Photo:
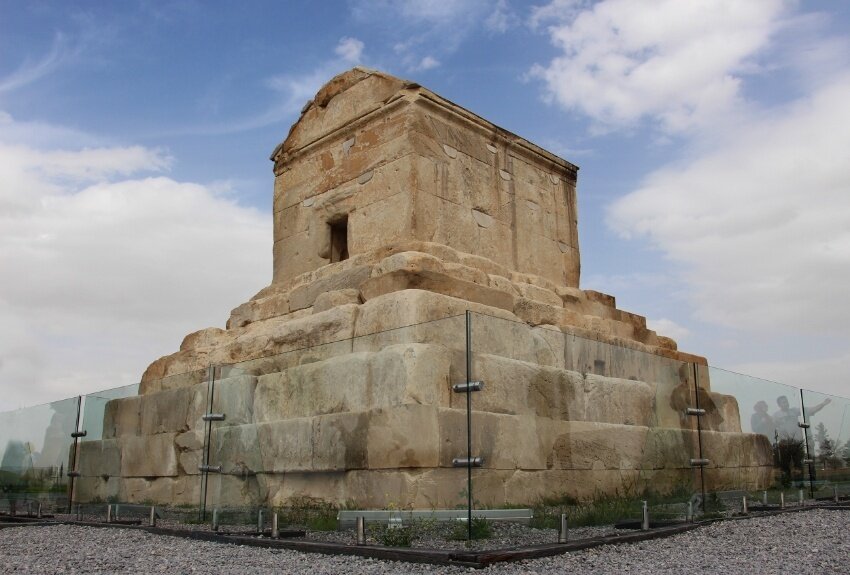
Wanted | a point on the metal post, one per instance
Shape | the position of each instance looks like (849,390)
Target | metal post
(205,454)
(79,512)
(562,532)
(469,425)
(835,493)
(644,524)
(800,498)
(809,457)
(275,528)
(73,466)
(109,513)
(744,508)
(115,518)
(764,497)
(215,519)
(152,521)
(361,531)
(782,500)
(39,509)
(699,437)
(261,522)
(690,516)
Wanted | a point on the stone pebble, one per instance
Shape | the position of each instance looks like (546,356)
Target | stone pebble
(816,542)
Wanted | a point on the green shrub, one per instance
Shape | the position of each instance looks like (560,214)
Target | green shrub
(396,536)
(481,529)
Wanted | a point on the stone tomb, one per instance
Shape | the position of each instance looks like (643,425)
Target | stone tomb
(395,212)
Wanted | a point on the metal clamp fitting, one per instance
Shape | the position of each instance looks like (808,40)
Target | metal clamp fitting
(467,387)
(213,417)
(695,411)
(77,434)
(700,462)
(210,468)
(466,462)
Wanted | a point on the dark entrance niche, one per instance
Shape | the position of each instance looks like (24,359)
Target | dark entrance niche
(339,239)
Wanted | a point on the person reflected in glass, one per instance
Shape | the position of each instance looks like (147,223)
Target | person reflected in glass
(787,418)
(760,421)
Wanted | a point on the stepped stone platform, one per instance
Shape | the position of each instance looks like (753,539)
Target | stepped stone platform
(395,212)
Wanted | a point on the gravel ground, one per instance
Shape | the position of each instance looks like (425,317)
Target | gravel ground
(816,542)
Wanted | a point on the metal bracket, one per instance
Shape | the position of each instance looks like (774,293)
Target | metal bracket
(467,387)
(803,425)
(213,417)
(73,474)
(210,468)
(695,411)
(77,434)
(700,462)
(808,461)
(466,462)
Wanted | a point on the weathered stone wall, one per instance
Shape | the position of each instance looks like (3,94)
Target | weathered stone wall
(335,380)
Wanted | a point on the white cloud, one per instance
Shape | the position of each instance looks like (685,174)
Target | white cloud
(501,18)
(427,63)
(678,63)
(106,265)
(669,328)
(29,71)
(760,219)
(427,29)
(350,49)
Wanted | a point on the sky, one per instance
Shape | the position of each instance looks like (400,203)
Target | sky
(136,189)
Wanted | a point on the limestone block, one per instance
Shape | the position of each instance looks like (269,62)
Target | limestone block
(591,445)
(234,397)
(122,417)
(614,400)
(149,456)
(552,345)
(539,294)
(362,91)
(504,441)
(537,313)
(309,182)
(438,127)
(234,491)
(282,361)
(391,444)
(205,338)
(509,338)
(168,411)
(236,449)
(96,489)
(387,220)
(406,373)
(330,299)
(305,296)
(184,490)
(259,309)
(436,282)
(99,458)
(271,337)
(737,450)
(412,306)
(286,445)
(340,441)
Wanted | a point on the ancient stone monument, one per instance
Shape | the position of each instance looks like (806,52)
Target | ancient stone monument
(395,212)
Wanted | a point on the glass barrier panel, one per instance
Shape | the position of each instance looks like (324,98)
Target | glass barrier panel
(35,449)
(756,447)
(566,424)
(140,450)
(828,443)
(352,426)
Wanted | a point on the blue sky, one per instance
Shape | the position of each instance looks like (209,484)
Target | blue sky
(135,185)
